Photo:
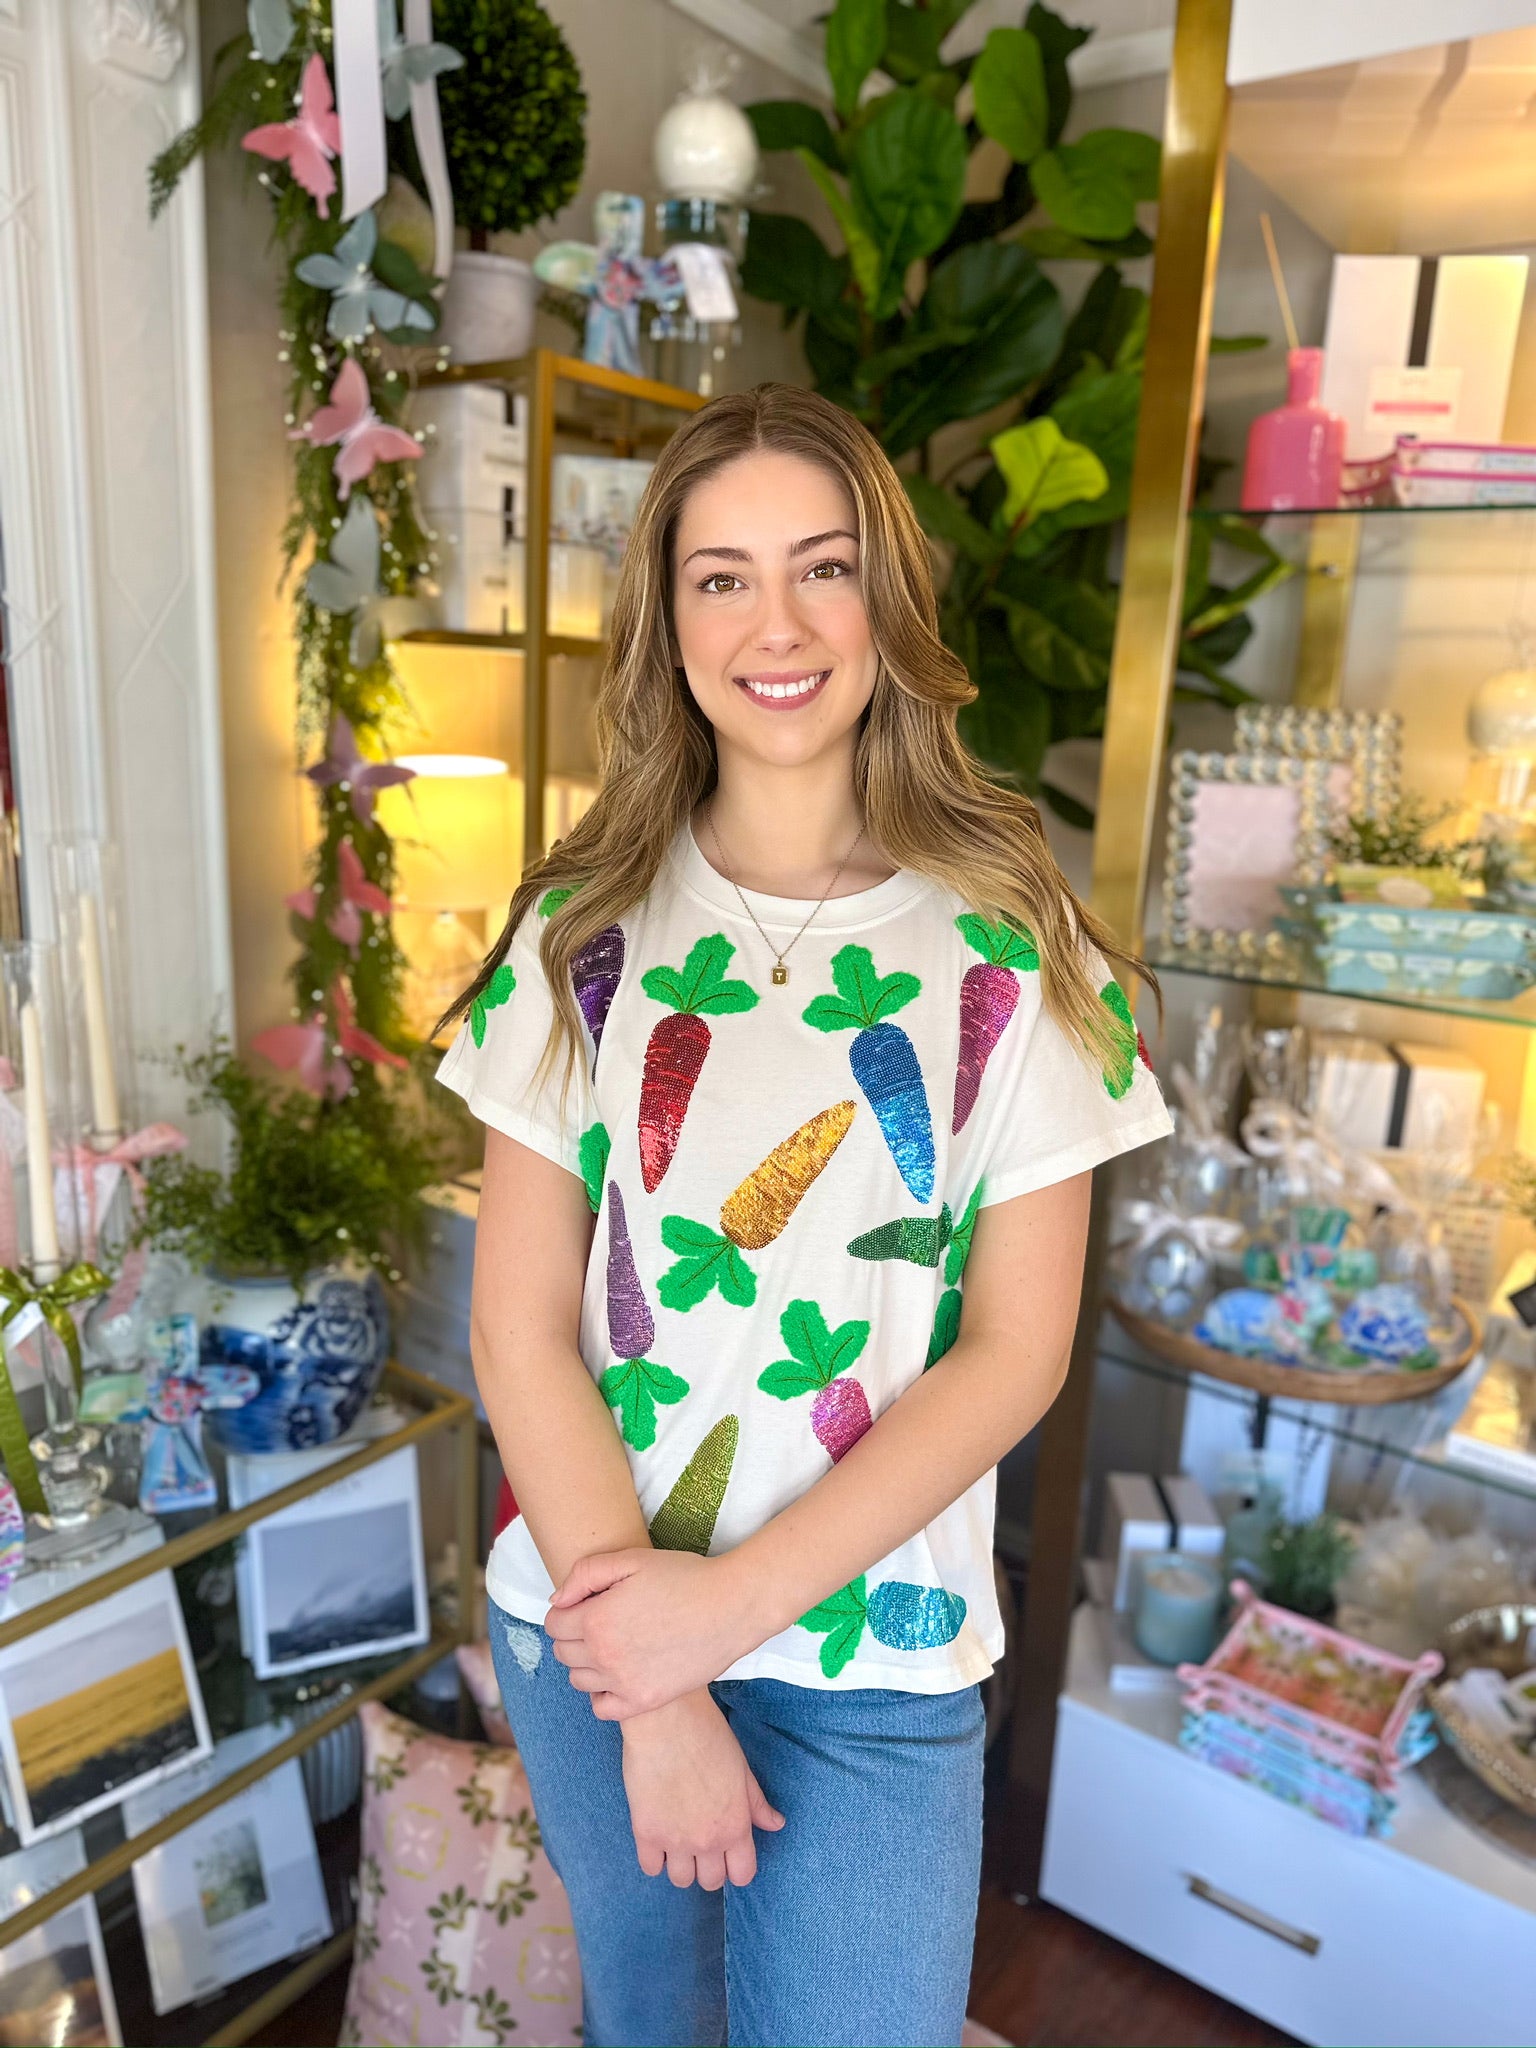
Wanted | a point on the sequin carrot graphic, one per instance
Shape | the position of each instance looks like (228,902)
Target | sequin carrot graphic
(896,1613)
(946,1315)
(497,991)
(686,1518)
(818,1362)
(679,1044)
(596,967)
(751,1216)
(635,1386)
(989,995)
(882,1057)
(1120,1067)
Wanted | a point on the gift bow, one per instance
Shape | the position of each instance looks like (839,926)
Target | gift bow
(154,1141)
(54,1299)
(1201,1116)
(1139,1225)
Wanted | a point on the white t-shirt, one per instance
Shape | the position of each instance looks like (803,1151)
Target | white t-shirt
(785,1180)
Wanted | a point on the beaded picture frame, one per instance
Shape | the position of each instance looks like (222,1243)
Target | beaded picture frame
(1240,826)
(1368,743)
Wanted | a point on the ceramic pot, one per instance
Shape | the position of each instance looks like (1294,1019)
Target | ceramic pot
(318,1355)
(488,307)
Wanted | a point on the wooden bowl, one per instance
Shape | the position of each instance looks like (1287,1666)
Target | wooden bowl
(1297,1382)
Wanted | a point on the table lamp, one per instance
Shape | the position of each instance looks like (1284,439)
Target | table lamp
(458,828)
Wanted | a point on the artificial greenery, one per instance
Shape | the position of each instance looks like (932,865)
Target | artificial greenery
(1401,838)
(310,1180)
(937,311)
(1303,1563)
(513,117)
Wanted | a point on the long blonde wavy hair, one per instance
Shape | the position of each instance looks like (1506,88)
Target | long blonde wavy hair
(927,802)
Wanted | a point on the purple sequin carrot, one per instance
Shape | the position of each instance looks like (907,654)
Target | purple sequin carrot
(989,995)
(595,971)
(631,1326)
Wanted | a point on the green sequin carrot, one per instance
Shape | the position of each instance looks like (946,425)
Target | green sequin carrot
(920,1240)
(686,1518)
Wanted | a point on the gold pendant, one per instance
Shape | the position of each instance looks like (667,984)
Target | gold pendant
(780,975)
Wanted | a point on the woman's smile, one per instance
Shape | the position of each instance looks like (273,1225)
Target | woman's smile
(783,689)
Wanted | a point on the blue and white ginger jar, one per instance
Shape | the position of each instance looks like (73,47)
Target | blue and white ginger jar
(318,1355)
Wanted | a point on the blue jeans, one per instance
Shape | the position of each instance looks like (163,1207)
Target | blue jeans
(858,1928)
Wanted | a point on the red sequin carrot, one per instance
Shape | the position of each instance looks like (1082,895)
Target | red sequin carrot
(678,1045)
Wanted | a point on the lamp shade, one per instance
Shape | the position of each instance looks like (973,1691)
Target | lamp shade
(457,827)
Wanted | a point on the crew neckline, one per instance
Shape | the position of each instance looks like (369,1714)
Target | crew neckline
(841,912)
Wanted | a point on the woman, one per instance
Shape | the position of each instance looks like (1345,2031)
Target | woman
(797,1023)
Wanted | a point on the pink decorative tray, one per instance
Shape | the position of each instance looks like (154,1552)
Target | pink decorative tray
(1345,1698)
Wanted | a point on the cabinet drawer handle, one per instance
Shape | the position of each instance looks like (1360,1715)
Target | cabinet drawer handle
(1309,1944)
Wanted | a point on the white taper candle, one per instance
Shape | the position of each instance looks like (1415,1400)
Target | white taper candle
(106,1115)
(45,1229)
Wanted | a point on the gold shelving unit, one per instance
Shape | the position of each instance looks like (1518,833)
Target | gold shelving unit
(601,410)
(437,1409)
(1454,187)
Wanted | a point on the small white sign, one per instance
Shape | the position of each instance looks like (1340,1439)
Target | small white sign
(706,280)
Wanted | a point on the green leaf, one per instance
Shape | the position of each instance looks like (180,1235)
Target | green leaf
(793,124)
(946,519)
(826,1013)
(1062,631)
(863,251)
(946,1326)
(878,369)
(1237,344)
(853,974)
(1008,81)
(788,264)
(397,268)
(1057,40)
(787,1378)
(959,1247)
(552,899)
(491,997)
(665,985)
(1013,316)
(592,1152)
(894,992)
(1091,187)
(1055,245)
(708,1260)
(1237,600)
(1004,945)
(704,989)
(855,45)
(804,1330)
(912,39)
(1101,413)
(907,181)
(848,1603)
(1044,470)
(1067,808)
(840,1646)
(634,1388)
(1120,1068)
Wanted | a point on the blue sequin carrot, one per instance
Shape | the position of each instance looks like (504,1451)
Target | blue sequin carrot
(882,1057)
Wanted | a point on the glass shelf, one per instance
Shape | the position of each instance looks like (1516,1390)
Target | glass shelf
(1398,539)
(1293,974)
(506,643)
(1408,1432)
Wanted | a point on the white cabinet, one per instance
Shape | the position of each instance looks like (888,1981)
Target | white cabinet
(1427,1938)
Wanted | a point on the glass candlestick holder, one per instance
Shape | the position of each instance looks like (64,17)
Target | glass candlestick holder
(72,1471)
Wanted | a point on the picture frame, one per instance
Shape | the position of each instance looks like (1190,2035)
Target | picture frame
(238,1889)
(54,1982)
(1369,744)
(371,1597)
(1240,827)
(98,1705)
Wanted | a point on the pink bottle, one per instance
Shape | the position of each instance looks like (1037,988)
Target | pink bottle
(1295,453)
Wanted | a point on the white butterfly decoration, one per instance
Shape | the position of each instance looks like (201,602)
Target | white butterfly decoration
(349,580)
(271,28)
(358,300)
(407,64)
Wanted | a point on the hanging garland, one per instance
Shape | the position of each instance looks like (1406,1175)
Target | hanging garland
(354,529)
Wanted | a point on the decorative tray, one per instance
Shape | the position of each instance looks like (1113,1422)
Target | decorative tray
(1502,1639)
(1299,1382)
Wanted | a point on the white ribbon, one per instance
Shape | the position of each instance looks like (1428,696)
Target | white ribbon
(359,104)
(1273,1130)
(427,127)
(1139,1224)
(1201,1117)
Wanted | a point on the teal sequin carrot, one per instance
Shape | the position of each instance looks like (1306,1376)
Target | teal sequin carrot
(896,1612)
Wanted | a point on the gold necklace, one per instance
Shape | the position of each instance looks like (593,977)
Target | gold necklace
(780,973)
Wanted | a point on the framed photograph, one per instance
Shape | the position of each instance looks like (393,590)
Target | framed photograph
(237,1890)
(54,1985)
(96,1706)
(1240,827)
(340,1575)
(1364,750)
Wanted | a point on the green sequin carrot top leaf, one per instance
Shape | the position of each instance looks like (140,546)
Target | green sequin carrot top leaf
(635,1386)
(1120,1068)
(678,1045)
(496,991)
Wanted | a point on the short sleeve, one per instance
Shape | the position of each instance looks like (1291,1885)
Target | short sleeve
(1054,1111)
(494,1060)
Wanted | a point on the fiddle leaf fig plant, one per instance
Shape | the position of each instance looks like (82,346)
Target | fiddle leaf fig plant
(936,311)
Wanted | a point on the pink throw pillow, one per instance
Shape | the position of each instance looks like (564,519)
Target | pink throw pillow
(464,1933)
(479,1674)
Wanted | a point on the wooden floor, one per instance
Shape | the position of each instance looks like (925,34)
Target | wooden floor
(1042,1980)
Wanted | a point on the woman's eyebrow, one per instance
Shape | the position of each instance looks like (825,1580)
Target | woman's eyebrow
(799,547)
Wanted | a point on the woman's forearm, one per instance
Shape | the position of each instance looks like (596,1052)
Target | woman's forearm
(562,1455)
(938,1438)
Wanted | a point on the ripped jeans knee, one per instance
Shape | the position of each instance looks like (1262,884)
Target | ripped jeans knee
(526,1644)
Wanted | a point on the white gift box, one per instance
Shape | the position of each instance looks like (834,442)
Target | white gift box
(1415,1098)
(475,450)
(479,572)
(1143,1515)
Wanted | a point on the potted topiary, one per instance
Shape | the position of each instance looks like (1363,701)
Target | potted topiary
(293,1243)
(513,119)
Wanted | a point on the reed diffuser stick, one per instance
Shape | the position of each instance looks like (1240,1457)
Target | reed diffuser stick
(1279,276)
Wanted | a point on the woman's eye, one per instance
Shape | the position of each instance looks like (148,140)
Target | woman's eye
(719,576)
(830,563)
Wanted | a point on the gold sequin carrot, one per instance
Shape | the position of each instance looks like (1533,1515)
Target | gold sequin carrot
(751,1216)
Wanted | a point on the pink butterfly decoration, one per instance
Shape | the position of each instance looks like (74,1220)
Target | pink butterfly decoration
(306,1048)
(308,142)
(343,763)
(357,895)
(351,421)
